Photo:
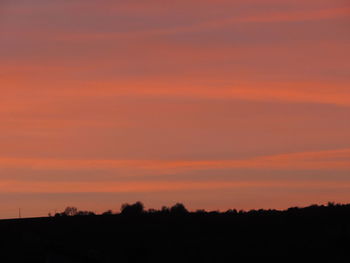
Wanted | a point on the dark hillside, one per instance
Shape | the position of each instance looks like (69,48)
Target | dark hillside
(312,234)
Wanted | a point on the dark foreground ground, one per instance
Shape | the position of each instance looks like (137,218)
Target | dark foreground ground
(313,234)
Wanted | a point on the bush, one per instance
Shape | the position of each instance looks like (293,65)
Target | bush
(133,209)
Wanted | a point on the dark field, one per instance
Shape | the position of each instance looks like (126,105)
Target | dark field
(312,234)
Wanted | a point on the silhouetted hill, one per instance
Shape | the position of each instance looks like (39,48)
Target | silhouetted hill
(311,234)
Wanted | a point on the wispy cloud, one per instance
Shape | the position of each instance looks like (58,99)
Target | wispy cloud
(216,24)
(333,160)
(146,187)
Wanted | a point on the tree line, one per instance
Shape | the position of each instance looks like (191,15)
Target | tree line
(138,208)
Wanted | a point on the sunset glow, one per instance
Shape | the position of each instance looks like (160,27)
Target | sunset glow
(217,104)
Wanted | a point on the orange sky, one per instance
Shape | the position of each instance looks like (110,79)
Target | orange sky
(218,104)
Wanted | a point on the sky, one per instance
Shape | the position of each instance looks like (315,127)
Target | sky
(216,104)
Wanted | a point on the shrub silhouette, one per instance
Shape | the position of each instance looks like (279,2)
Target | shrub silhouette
(108,212)
(133,209)
(73,211)
(178,209)
(85,213)
(165,210)
(70,211)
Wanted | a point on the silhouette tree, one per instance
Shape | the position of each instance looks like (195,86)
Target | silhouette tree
(85,213)
(178,209)
(133,209)
(231,211)
(70,211)
(165,210)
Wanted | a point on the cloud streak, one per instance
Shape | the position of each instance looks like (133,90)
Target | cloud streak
(331,160)
(151,187)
